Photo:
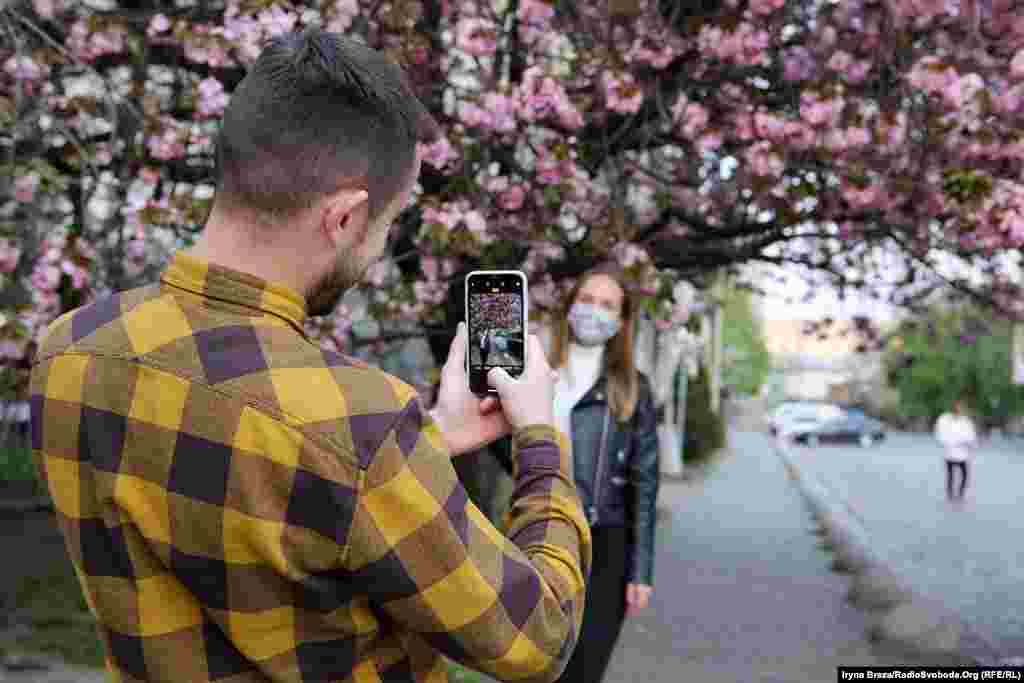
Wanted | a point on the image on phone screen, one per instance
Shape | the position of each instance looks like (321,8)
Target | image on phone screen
(496,320)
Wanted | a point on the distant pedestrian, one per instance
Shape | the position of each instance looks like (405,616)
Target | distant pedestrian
(485,346)
(956,432)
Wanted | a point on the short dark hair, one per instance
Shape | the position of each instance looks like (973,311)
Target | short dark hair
(318,112)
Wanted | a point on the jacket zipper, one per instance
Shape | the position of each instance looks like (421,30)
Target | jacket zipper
(600,468)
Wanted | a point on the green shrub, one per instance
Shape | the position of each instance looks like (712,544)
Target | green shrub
(16,463)
(460,674)
(60,622)
(705,431)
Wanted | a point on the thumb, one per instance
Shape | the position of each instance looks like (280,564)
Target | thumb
(498,378)
(457,351)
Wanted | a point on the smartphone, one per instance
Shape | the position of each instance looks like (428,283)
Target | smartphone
(496,313)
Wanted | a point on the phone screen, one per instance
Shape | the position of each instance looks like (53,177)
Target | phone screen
(496,318)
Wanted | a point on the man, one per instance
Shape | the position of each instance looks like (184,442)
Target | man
(241,505)
(956,432)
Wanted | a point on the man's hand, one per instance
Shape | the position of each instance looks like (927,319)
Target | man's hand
(467,422)
(529,399)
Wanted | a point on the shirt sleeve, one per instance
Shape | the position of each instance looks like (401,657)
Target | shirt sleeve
(511,607)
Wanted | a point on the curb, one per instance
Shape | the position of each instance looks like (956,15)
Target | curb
(900,615)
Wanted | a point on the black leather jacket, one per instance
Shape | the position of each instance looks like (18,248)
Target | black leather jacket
(617,471)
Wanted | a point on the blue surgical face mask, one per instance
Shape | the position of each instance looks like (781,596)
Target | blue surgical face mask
(593,325)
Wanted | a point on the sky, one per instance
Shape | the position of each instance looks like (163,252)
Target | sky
(785,302)
(786,297)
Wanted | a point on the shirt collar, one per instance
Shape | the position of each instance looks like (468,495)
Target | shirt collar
(219,282)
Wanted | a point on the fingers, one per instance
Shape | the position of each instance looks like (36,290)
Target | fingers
(536,354)
(489,405)
(457,351)
(498,378)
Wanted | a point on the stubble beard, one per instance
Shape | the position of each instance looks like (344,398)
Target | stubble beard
(327,293)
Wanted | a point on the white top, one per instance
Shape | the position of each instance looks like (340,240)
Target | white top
(584,368)
(957,434)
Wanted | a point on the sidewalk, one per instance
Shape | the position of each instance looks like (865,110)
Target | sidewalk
(742,591)
(966,555)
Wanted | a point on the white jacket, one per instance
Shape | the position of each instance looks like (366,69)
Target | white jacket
(957,434)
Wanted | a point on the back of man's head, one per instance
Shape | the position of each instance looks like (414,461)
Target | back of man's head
(318,112)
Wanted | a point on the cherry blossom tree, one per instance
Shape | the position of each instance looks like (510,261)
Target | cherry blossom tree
(674,137)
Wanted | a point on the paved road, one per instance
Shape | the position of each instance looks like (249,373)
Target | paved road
(967,554)
(742,591)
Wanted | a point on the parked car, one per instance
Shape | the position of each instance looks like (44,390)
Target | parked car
(788,410)
(849,426)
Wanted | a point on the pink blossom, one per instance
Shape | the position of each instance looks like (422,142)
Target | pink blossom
(544,293)
(502,112)
(168,145)
(476,224)
(710,142)
(568,115)
(765,7)
(443,216)
(763,161)
(212,98)
(475,116)
(821,112)
(513,198)
(440,153)
(12,349)
(47,9)
(1014,227)
(931,75)
(769,125)
(79,277)
(89,45)
(45,277)
(430,266)
(277,21)
(10,254)
(798,64)
(85,249)
(25,187)
(158,25)
(858,137)
(692,117)
(622,94)
(377,273)
(650,51)
(858,71)
(136,250)
(840,61)
(345,11)
(535,12)
(476,36)
(1017,65)
(25,68)
(551,171)
(964,89)
(628,254)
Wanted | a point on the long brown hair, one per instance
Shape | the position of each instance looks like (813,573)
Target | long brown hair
(619,367)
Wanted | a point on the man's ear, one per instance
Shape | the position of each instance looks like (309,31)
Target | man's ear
(345,216)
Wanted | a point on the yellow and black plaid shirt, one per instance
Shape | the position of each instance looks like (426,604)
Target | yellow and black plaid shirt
(241,505)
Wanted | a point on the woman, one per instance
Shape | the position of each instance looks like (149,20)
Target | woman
(606,408)
(956,432)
